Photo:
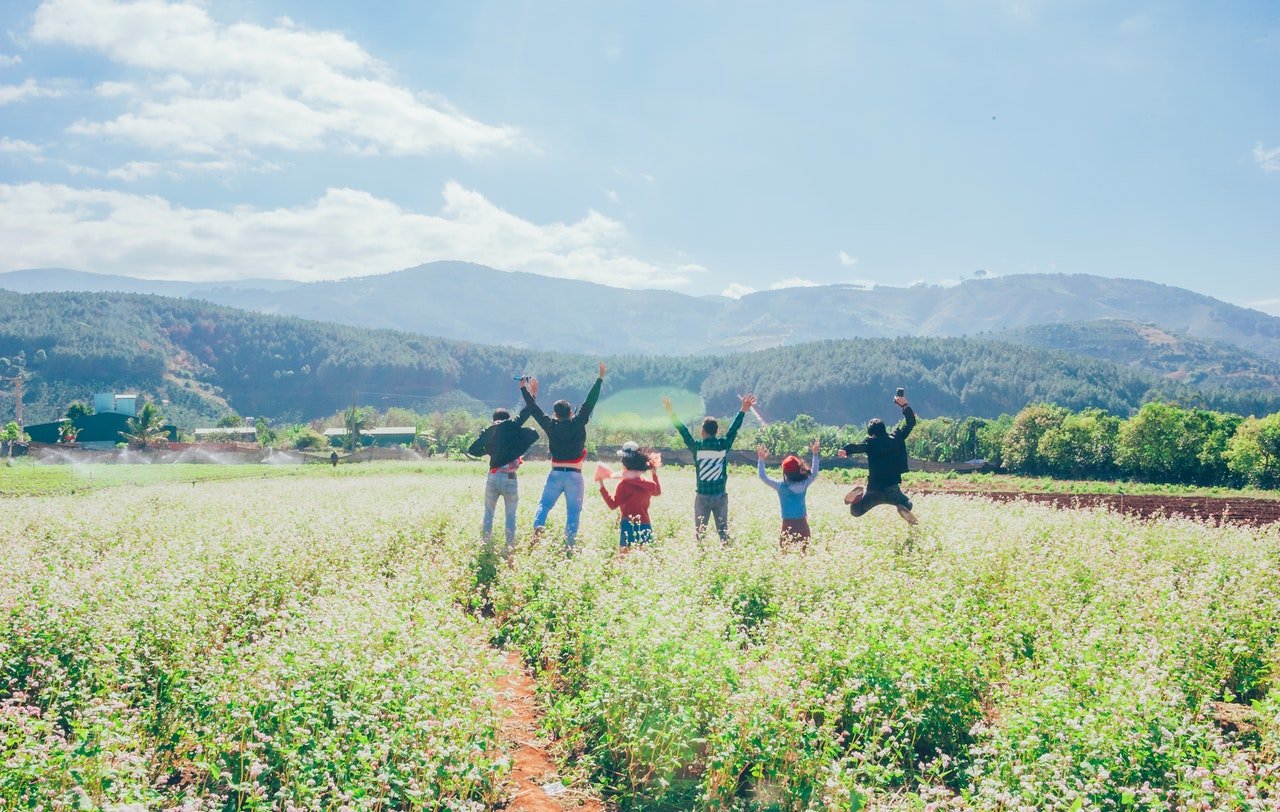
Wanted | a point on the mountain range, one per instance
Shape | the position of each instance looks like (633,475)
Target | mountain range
(476,303)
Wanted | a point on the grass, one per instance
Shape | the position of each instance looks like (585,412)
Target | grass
(317,640)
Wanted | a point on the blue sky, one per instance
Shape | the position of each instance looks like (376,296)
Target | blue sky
(698,146)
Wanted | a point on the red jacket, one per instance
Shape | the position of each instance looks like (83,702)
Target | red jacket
(632,498)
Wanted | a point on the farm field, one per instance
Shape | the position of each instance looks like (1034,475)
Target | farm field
(336,639)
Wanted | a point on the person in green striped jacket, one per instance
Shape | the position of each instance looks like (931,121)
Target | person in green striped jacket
(710,460)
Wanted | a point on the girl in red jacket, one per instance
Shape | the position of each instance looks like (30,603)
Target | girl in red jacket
(633,494)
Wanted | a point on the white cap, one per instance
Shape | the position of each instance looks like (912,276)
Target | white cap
(629,447)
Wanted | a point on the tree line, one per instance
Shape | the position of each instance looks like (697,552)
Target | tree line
(1160,443)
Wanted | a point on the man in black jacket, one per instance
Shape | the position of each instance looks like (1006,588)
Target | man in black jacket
(886,463)
(505,441)
(567,439)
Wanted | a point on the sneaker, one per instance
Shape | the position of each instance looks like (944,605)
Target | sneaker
(854,496)
(908,516)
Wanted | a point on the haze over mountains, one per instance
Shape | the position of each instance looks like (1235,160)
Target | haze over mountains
(471,302)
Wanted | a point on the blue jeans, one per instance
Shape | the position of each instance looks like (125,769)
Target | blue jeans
(570,484)
(506,486)
(633,534)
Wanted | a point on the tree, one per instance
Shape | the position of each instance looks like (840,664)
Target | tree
(79,409)
(1020,451)
(356,421)
(1082,445)
(230,420)
(1253,452)
(1166,443)
(266,435)
(147,429)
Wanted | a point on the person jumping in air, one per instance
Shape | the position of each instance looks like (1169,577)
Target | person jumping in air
(633,494)
(504,441)
(710,458)
(567,437)
(795,482)
(886,463)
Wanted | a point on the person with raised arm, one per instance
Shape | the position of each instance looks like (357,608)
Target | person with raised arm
(711,465)
(634,493)
(886,463)
(505,442)
(795,482)
(567,438)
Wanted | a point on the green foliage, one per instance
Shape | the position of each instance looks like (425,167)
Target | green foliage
(230,420)
(146,429)
(79,409)
(1021,449)
(1081,446)
(13,433)
(1253,452)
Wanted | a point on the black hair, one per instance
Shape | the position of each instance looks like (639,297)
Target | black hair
(561,409)
(501,414)
(875,427)
(636,461)
(710,426)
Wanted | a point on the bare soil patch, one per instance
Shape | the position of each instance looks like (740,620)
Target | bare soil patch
(1219,510)
(532,765)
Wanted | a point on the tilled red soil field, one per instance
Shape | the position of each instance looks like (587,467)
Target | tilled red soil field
(1220,510)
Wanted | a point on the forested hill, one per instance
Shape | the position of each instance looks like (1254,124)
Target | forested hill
(471,302)
(206,360)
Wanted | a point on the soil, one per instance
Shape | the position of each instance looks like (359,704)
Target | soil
(1218,510)
(532,766)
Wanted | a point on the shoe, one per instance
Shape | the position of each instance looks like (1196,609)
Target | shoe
(854,496)
(908,516)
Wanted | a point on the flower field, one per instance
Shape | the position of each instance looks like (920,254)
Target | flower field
(317,641)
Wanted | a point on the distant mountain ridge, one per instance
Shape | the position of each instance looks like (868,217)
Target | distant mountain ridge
(201,360)
(469,302)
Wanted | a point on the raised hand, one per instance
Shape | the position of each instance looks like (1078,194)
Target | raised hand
(666,404)
(602,369)
(533,387)
(901,401)
(817,445)
(748,401)
(842,453)
(762,452)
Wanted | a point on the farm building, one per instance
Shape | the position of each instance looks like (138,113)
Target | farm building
(227,434)
(386,437)
(98,430)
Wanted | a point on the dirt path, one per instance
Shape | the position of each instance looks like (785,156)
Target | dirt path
(532,765)
(1220,510)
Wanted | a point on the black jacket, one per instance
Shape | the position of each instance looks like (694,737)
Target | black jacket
(504,440)
(566,438)
(886,454)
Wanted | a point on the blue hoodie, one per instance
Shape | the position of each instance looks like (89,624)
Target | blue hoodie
(791,494)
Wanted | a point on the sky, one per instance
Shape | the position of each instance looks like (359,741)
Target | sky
(704,147)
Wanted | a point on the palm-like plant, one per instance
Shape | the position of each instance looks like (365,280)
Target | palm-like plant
(147,429)
(357,421)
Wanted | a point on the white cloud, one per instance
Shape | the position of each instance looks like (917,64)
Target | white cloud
(846,260)
(1268,158)
(344,233)
(30,89)
(6,60)
(612,194)
(11,146)
(793,282)
(216,87)
(134,170)
(737,290)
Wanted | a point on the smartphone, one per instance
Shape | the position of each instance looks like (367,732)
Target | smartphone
(900,393)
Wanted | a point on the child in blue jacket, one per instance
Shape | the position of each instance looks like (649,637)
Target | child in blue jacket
(795,482)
